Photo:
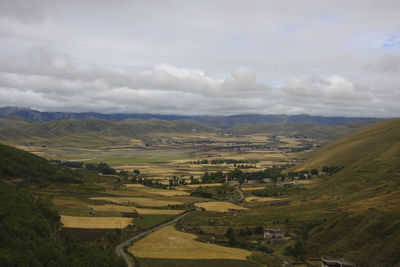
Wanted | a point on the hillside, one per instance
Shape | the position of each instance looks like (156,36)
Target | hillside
(364,195)
(15,163)
(92,131)
(322,133)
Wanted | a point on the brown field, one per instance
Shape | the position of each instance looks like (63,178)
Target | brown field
(118,208)
(147,202)
(219,206)
(179,245)
(95,222)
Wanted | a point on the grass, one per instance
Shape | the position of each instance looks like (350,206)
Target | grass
(110,207)
(219,206)
(95,222)
(195,263)
(179,245)
(150,220)
(258,199)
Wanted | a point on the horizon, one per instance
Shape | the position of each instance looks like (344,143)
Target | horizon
(198,115)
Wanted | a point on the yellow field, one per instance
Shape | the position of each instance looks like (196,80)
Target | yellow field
(164,192)
(179,245)
(135,185)
(250,199)
(110,207)
(147,202)
(219,206)
(252,188)
(95,222)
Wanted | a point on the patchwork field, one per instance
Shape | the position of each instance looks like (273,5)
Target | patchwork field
(219,206)
(95,222)
(110,207)
(146,202)
(179,245)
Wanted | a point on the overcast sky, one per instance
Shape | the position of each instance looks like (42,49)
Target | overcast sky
(202,57)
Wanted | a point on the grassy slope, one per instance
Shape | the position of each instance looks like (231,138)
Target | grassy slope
(320,132)
(92,131)
(366,193)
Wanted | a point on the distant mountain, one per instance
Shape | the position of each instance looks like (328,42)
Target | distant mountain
(216,121)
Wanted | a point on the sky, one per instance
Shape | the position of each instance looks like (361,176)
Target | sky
(209,57)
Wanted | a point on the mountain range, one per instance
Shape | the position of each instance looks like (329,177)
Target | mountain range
(224,122)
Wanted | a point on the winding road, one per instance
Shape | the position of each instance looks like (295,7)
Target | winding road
(120,248)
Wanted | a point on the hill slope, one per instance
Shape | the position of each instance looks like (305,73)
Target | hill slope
(364,195)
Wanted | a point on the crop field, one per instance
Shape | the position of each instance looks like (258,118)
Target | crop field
(179,245)
(146,202)
(95,222)
(110,207)
(219,206)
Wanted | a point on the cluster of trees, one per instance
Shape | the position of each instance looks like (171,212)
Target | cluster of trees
(296,251)
(101,167)
(219,177)
(149,182)
(331,169)
(223,161)
(27,235)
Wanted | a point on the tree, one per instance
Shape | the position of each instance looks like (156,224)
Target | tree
(259,230)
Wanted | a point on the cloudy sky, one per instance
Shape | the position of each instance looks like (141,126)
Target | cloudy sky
(202,57)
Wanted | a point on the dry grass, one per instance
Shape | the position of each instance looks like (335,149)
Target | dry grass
(219,206)
(167,193)
(110,207)
(252,188)
(95,222)
(258,199)
(146,202)
(135,185)
(178,245)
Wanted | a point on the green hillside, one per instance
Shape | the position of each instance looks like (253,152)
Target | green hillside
(15,163)
(364,195)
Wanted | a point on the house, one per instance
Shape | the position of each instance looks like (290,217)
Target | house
(331,262)
(273,233)
(279,185)
(266,180)
(251,181)
(273,236)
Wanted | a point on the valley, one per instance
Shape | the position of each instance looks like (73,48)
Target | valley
(232,185)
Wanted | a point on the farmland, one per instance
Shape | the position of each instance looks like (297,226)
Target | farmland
(178,245)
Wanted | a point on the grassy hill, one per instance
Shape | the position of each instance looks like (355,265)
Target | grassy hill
(364,195)
(92,132)
(15,163)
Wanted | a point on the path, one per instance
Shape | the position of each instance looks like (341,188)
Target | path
(120,248)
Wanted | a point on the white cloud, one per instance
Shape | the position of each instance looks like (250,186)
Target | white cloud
(206,57)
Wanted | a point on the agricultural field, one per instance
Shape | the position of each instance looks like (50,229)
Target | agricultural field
(95,222)
(178,245)
(219,206)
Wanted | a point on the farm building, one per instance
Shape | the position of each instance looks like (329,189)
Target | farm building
(266,180)
(273,233)
(331,262)
(274,236)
